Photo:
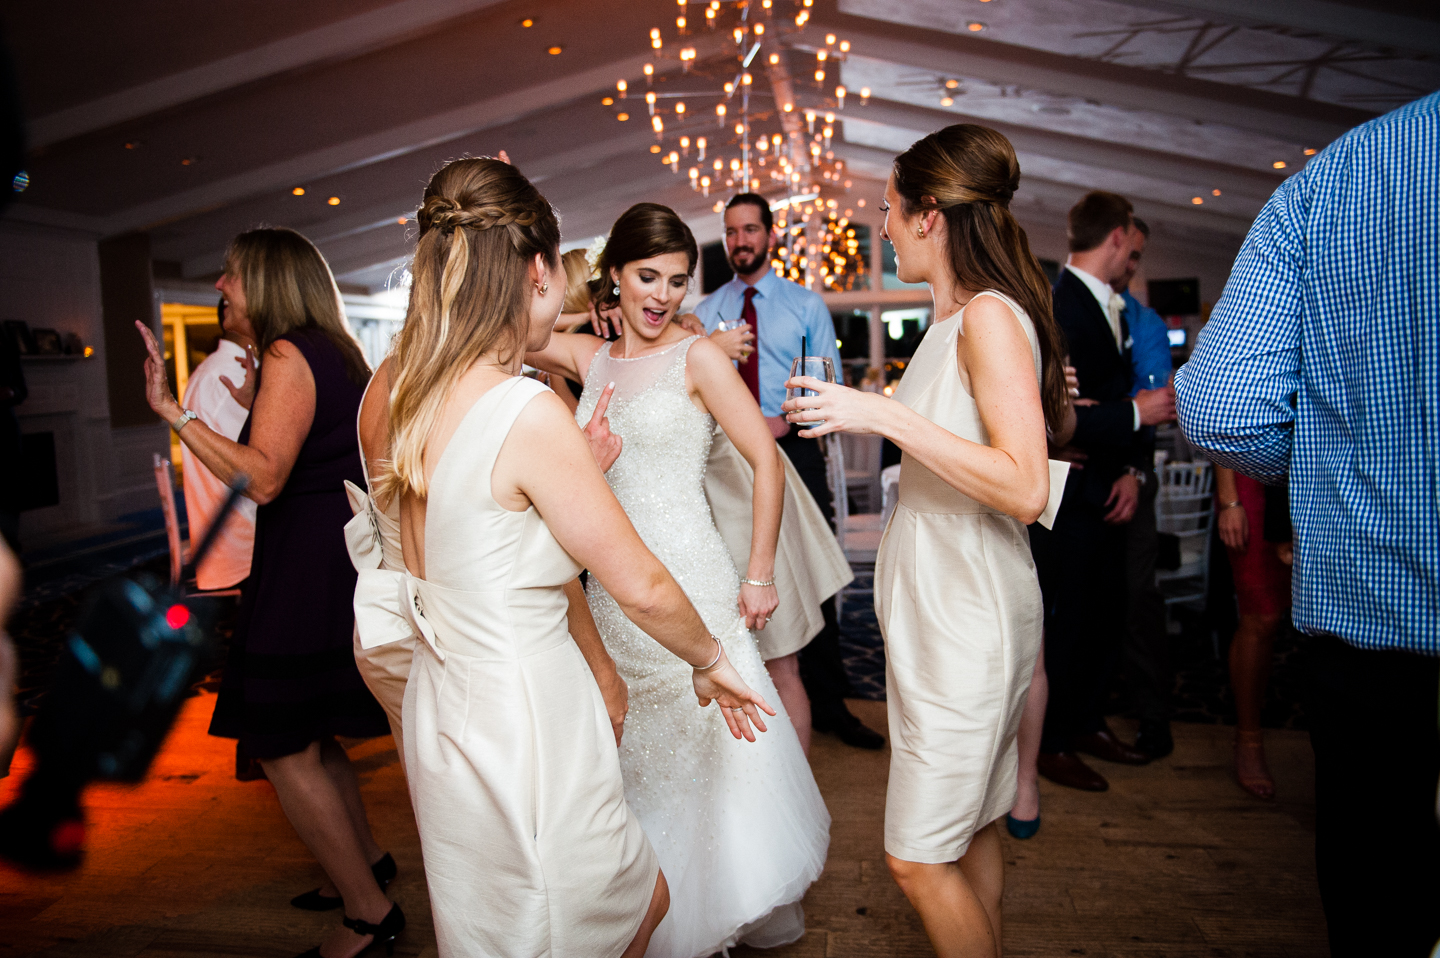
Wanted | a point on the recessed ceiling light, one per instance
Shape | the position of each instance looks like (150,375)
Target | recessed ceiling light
(298,191)
(974,26)
(334,201)
(951,84)
(1278,164)
(946,101)
(1214,192)
(554,51)
(527,23)
(608,101)
(1309,152)
(654,147)
(622,117)
(1197,200)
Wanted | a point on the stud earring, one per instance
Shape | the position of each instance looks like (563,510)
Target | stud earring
(543,289)
(920,231)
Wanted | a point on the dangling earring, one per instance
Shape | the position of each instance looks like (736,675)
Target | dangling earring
(616,290)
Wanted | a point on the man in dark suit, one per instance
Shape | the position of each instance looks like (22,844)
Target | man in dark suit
(1084,554)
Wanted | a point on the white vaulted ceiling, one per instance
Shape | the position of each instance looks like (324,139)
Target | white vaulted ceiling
(193,121)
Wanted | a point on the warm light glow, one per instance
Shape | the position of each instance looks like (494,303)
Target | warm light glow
(829,37)
(774,59)
(864,93)
(1309,152)
(608,101)
(680,108)
(951,84)
(820,55)
(649,69)
(789,107)
(947,101)
(860,203)
(1197,200)
(729,88)
(334,201)
(819,76)
(720,110)
(176,616)
(527,23)
(658,125)
(680,23)
(739,129)
(298,191)
(621,86)
(655,148)
(89,351)
(974,26)
(762,144)
(747,79)
(554,51)
(719,206)
(1279,164)
(844,46)
(1214,192)
(402,220)
(759,29)
(622,117)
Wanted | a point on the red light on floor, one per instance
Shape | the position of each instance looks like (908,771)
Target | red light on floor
(176,616)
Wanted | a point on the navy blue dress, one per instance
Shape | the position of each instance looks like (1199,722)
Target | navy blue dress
(291,678)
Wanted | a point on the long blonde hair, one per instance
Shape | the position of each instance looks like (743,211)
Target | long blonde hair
(969,173)
(289,286)
(480,226)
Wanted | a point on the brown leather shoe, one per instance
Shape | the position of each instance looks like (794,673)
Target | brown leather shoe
(1066,768)
(1104,744)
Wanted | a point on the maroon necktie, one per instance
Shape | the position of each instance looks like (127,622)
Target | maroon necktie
(750,368)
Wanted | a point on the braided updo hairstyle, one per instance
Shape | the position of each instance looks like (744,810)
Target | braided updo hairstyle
(481,224)
(969,173)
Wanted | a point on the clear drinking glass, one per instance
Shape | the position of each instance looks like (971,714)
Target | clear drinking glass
(725,325)
(818,367)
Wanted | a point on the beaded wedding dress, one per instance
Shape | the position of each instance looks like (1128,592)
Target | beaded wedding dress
(740,828)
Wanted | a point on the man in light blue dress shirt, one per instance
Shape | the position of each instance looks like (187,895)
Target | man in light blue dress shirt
(784,313)
(1322,361)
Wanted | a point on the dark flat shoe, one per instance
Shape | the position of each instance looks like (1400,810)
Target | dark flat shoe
(1022,828)
(1104,745)
(1066,768)
(384,871)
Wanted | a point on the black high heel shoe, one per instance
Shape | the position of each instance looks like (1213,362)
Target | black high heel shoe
(384,871)
(385,933)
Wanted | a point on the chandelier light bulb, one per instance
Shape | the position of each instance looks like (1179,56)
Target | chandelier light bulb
(810,120)
(620,87)
(844,46)
(720,113)
(864,95)
(650,101)
(680,24)
(685,145)
(680,108)
(762,144)
(840,96)
(649,71)
(820,55)
(819,76)
(759,29)
(719,165)
(700,145)
(739,34)
(774,59)
(705,185)
(734,166)
(739,129)
(658,124)
(747,79)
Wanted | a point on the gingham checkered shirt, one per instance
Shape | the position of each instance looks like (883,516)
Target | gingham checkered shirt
(1335,301)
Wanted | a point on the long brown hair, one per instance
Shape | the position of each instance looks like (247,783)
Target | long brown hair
(480,226)
(288,286)
(643,231)
(969,173)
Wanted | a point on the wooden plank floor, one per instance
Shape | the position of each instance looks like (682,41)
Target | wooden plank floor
(1173,861)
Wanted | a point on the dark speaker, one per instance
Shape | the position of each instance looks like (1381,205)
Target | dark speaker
(1175,297)
(39,480)
(715,268)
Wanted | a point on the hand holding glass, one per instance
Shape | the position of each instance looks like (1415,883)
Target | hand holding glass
(817,367)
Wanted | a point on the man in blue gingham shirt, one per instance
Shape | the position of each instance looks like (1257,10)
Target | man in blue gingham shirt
(1334,306)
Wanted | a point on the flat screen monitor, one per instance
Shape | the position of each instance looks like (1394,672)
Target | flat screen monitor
(1177,337)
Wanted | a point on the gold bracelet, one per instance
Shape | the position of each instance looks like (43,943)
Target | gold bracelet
(1230,505)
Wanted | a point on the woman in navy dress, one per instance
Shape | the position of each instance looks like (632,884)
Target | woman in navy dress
(291,684)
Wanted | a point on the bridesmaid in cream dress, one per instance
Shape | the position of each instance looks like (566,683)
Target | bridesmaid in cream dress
(955,587)
(529,846)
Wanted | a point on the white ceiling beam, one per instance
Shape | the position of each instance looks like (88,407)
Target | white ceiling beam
(1078,149)
(396,141)
(1034,188)
(364,32)
(1338,20)
(634,138)
(1305,122)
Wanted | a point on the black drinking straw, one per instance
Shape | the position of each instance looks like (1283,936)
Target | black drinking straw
(802,355)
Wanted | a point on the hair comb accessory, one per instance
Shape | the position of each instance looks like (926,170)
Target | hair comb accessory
(593,254)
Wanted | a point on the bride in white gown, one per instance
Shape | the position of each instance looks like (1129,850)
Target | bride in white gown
(738,860)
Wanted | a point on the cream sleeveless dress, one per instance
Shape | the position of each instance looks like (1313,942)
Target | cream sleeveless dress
(529,847)
(740,828)
(372,538)
(959,606)
(810,567)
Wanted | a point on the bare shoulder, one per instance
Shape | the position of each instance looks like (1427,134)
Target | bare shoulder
(705,356)
(546,415)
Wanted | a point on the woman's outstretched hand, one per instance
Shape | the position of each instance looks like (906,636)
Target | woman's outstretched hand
(843,409)
(757,604)
(739,703)
(157,383)
(604,445)
(244,393)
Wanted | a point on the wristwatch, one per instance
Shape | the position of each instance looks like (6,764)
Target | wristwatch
(185,416)
(1139,475)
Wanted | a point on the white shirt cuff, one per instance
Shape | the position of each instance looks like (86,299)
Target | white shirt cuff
(1135,406)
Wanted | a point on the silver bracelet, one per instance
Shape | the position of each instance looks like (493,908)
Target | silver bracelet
(719,651)
(755,582)
(185,417)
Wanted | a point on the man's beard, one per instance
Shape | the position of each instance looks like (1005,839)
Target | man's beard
(752,262)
